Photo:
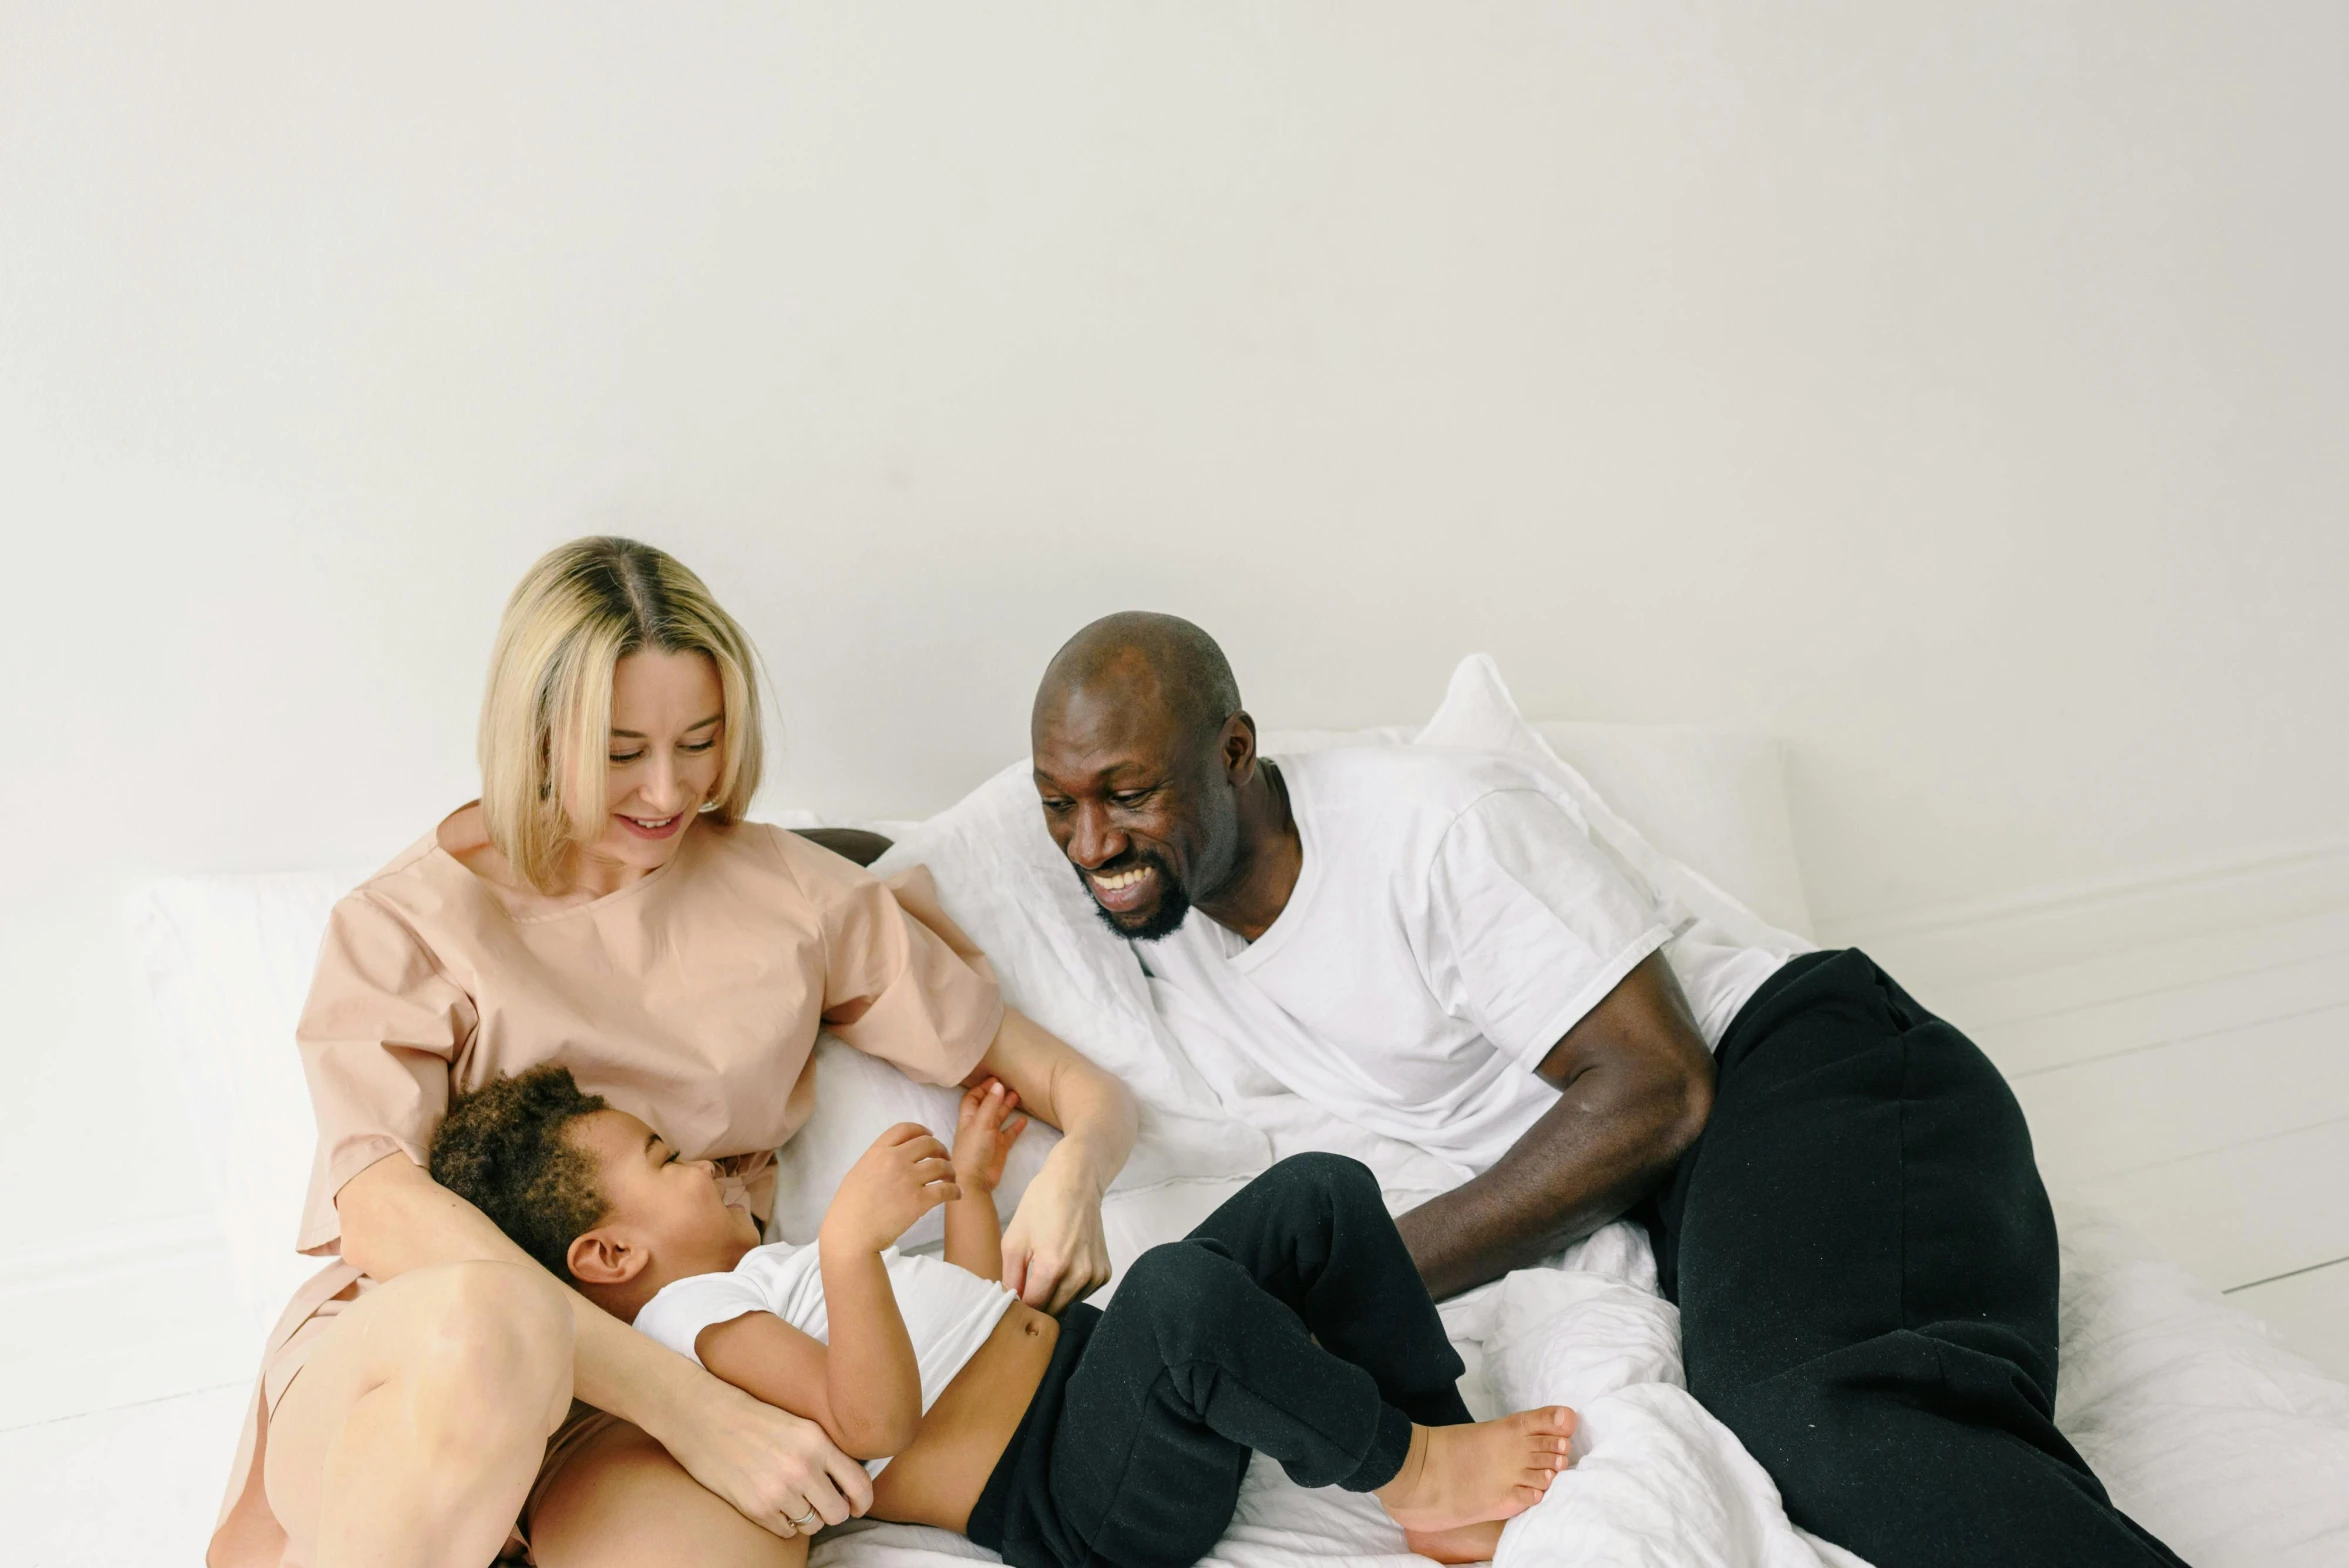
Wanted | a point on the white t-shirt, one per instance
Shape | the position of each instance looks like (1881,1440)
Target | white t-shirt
(948,1311)
(1453,918)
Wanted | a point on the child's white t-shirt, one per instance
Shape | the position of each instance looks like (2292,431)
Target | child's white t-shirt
(948,1311)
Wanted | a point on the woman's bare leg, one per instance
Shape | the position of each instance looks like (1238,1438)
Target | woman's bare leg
(412,1434)
(620,1501)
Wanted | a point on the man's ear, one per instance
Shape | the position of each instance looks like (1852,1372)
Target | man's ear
(1237,747)
(604,1257)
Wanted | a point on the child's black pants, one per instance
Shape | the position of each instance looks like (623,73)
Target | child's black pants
(1131,1454)
(1865,1263)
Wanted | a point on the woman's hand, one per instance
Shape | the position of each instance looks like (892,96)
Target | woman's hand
(1055,1252)
(771,1465)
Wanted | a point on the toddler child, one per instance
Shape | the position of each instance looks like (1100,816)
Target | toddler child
(1291,1323)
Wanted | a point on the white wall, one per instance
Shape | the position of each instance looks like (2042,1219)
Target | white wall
(1956,389)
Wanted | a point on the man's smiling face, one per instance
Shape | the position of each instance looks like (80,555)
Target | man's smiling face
(1145,812)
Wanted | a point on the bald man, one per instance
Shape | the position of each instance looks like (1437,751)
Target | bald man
(1429,943)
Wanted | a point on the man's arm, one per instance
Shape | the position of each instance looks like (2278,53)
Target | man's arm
(1635,1085)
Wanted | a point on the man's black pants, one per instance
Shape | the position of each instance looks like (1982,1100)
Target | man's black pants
(1865,1263)
(1132,1451)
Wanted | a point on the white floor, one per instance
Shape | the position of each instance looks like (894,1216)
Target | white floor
(136,1485)
(2200,1089)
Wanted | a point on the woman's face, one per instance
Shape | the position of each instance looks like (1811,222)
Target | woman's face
(668,730)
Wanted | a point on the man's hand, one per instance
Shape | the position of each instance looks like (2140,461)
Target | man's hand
(903,1176)
(1055,1252)
(1635,1084)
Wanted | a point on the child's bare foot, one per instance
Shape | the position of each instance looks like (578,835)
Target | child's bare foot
(1461,1475)
(1470,1543)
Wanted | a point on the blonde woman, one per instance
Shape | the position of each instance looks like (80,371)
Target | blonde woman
(436,1398)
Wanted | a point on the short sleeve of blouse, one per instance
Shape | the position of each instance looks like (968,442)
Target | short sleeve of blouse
(377,1035)
(1535,920)
(893,987)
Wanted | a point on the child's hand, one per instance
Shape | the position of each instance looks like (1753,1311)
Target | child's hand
(982,1135)
(903,1176)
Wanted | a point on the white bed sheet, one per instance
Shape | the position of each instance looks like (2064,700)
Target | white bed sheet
(2207,1432)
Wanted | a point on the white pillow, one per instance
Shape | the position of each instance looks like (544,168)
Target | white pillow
(1479,713)
(1700,812)
(1712,798)
(857,1098)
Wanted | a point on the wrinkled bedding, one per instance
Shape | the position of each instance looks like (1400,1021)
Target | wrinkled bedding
(1656,1480)
(2206,1431)
(2232,1449)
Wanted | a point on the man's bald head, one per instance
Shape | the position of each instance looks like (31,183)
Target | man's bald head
(1141,753)
(1140,660)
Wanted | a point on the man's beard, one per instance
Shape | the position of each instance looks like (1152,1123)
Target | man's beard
(1174,904)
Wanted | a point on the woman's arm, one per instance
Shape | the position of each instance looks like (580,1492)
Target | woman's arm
(1055,1252)
(762,1460)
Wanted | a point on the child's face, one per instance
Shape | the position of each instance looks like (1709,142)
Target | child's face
(671,1207)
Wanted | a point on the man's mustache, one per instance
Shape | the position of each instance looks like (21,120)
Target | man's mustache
(1174,900)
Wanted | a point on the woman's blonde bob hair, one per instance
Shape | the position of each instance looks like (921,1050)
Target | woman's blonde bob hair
(547,717)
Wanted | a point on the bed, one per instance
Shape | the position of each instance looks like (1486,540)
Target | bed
(2229,1447)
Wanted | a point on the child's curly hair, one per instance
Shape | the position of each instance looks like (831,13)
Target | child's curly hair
(502,1149)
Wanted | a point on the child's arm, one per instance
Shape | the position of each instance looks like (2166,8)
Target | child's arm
(982,1138)
(864,1388)
(770,1360)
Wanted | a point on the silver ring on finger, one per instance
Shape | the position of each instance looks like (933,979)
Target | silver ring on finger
(806,1519)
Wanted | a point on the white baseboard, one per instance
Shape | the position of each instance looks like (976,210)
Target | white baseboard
(1965,944)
